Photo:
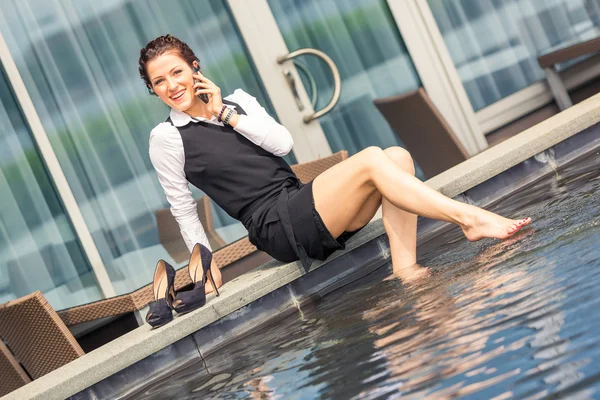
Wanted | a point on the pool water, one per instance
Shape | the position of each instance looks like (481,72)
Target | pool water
(495,319)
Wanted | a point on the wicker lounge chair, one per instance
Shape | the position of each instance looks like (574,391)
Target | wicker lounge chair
(226,257)
(308,171)
(423,130)
(13,376)
(38,338)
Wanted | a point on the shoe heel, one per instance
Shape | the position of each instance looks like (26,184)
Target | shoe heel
(212,282)
(189,300)
(207,258)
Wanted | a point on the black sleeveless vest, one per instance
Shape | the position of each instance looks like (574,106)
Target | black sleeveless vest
(234,172)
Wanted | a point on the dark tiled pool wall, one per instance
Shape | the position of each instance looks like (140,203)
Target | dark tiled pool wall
(583,144)
(134,379)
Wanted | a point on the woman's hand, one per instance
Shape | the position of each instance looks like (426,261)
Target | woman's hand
(205,85)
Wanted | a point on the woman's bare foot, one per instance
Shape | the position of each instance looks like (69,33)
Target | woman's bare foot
(411,273)
(485,224)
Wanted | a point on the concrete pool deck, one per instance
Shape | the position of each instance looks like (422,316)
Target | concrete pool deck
(122,367)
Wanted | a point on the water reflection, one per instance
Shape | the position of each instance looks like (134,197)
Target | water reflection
(446,323)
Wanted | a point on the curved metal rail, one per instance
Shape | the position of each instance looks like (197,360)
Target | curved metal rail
(337,81)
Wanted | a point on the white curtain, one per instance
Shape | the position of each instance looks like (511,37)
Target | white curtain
(494,44)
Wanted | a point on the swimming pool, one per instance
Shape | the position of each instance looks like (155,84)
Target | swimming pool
(495,319)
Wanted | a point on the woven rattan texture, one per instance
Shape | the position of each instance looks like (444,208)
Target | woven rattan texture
(99,309)
(306,172)
(233,252)
(37,335)
(13,376)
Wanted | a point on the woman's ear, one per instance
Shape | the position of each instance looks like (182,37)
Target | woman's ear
(195,64)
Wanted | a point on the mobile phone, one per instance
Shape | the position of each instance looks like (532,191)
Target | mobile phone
(201,96)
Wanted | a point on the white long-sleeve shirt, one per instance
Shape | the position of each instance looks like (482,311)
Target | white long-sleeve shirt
(168,158)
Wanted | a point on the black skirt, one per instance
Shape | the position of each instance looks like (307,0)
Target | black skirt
(289,228)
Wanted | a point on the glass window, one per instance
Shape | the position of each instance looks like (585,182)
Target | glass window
(79,62)
(494,44)
(38,247)
(362,39)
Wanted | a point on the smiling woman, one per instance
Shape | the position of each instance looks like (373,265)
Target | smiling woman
(175,83)
(231,149)
(166,65)
(170,77)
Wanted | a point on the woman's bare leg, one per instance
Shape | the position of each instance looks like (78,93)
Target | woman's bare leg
(401,226)
(356,179)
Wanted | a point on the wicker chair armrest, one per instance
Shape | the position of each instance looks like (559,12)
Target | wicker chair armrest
(99,309)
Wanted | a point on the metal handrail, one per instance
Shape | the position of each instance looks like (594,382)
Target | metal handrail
(311,79)
(337,81)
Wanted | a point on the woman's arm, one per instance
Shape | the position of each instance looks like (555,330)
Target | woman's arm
(259,127)
(168,159)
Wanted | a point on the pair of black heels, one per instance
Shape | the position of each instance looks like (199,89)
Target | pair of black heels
(182,302)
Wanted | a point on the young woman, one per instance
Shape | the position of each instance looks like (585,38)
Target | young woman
(231,149)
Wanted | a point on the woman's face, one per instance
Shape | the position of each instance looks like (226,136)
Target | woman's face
(172,80)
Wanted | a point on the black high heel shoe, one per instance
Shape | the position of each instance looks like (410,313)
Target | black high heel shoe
(164,293)
(194,298)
